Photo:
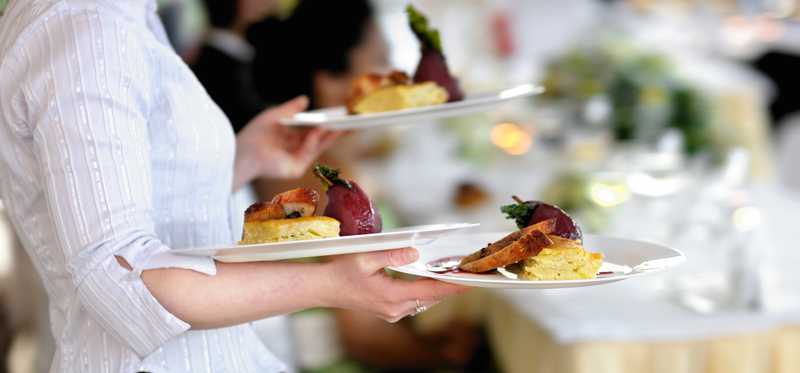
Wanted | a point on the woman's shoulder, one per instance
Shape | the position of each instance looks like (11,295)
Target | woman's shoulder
(66,39)
(23,20)
(34,33)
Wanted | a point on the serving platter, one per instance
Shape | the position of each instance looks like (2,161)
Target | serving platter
(415,236)
(623,259)
(337,118)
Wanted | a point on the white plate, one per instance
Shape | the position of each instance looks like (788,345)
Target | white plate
(625,258)
(403,237)
(338,119)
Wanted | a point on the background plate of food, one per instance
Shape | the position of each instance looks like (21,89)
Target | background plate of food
(399,98)
(338,118)
(621,259)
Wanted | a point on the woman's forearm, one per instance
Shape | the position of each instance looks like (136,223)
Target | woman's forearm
(244,292)
(239,292)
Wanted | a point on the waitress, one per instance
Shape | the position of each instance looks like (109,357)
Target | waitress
(112,154)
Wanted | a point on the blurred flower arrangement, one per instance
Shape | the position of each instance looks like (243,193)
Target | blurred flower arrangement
(635,93)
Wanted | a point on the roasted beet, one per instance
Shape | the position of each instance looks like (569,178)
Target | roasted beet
(432,65)
(433,68)
(527,213)
(348,204)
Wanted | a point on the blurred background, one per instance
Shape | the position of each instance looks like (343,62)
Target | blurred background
(671,121)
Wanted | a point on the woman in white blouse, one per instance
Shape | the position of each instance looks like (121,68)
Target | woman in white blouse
(111,154)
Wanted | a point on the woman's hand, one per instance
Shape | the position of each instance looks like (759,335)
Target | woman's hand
(265,148)
(358,282)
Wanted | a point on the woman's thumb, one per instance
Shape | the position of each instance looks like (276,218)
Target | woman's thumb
(378,260)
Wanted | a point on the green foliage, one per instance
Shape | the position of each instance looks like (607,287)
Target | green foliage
(645,94)
(690,116)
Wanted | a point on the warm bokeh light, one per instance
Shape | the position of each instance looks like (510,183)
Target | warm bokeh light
(511,138)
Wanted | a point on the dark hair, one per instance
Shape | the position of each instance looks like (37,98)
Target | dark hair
(221,13)
(318,36)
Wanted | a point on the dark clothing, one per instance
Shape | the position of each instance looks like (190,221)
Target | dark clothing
(781,69)
(229,82)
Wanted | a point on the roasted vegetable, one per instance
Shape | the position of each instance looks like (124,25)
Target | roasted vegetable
(348,204)
(526,213)
(432,65)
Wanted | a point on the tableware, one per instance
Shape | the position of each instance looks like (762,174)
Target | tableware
(337,118)
(623,259)
(415,236)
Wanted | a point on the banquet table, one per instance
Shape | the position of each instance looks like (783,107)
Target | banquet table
(523,345)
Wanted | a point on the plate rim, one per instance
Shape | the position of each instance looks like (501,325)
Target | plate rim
(413,229)
(477,99)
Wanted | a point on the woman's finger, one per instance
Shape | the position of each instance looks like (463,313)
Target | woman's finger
(409,308)
(284,110)
(378,260)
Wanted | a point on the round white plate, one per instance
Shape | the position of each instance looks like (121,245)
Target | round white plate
(403,237)
(624,258)
(337,118)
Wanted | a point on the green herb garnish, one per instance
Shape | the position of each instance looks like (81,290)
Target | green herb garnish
(428,36)
(330,176)
(521,212)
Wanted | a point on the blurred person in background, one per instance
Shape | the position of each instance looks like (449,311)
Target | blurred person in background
(224,63)
(322,46)
(317,52)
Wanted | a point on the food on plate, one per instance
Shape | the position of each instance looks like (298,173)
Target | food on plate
(504,243)
(348,204)
(374,93)
(432,65)
(563,260)
(529,244)
(526,213)
(432,84)
(470,195)
(289,216)
(298,202)
(548,246)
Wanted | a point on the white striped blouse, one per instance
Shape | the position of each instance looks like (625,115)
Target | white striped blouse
(109,146)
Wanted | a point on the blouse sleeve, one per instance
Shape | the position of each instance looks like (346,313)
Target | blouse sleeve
(88,96)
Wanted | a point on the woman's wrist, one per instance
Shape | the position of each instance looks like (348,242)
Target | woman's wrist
(329,292)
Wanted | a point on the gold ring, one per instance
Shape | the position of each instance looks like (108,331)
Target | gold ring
(420,308)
